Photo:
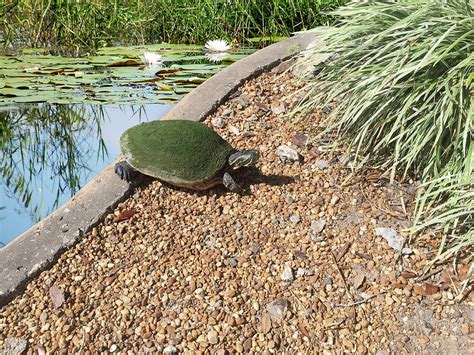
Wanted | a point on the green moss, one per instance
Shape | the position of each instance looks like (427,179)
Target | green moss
(176,151)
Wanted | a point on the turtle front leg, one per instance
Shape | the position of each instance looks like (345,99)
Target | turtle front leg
(125,171)
(230,183)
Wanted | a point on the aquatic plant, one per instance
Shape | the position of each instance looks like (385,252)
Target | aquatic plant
(76,27)
(151,59)
(217,45)
(217,57)
(401,73)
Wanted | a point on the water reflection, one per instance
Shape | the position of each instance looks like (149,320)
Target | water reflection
(48,152)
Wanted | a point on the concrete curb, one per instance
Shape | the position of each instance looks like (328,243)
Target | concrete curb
(38,248)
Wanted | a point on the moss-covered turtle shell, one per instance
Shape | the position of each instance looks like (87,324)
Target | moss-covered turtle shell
(177,151)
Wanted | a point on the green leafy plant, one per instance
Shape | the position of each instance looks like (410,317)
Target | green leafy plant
(75,27)
(401,74)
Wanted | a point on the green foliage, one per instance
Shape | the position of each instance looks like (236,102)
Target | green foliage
(114,75)
(74,26)
(402,75)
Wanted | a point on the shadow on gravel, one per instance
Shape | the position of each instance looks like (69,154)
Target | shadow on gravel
(245,177)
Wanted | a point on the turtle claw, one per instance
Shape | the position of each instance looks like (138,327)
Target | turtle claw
(124,171)
(230,183)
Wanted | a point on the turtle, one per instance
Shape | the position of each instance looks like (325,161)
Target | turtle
(182,153)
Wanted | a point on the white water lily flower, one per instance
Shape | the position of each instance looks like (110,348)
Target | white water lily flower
(218,45)
(216,57)
(151,59)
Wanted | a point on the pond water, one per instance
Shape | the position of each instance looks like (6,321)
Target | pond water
(61,118)
(46,162)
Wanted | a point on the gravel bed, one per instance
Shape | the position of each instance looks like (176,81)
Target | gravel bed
(309,258)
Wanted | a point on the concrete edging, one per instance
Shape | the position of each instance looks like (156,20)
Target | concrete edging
(39,247)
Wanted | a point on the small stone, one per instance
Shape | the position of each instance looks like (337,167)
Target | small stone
(426,327)
(212,337)
(321,164)
(113,348)
(202,338)
(227,112)
(277,110)
(289,199)
(318,226)
(234,130)
(294,218)
(335,199)
(303,272)
(170,349)
(277,309)
(465,329)
(327,280)
(394,240)
(358,280)
(218,122)
(239,348)
(326,109)
(248,344)
(254,117)
(423,340)
(299,139)
(230,321)
(287,153)
(242,100)
(232,262)
(287,274)
(407,251)
(64,228)
(266,323)
(14,346)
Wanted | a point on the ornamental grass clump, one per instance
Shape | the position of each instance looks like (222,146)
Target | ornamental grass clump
(401,74)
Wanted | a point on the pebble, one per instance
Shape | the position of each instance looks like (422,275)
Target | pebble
(227,113)
(277,110)
(393,239)
(299,139)
(218,122)
(287,274)
(14,346)
(277,309)
(321,164)
(287,153)
(212,337)
(170,350)
(303,272)
(318,226)
(113,348)
(295,218)
(327,280)
(234,130)
(233,262)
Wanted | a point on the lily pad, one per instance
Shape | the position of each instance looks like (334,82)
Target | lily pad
(114,75)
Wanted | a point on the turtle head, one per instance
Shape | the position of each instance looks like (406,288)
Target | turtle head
(243,158)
